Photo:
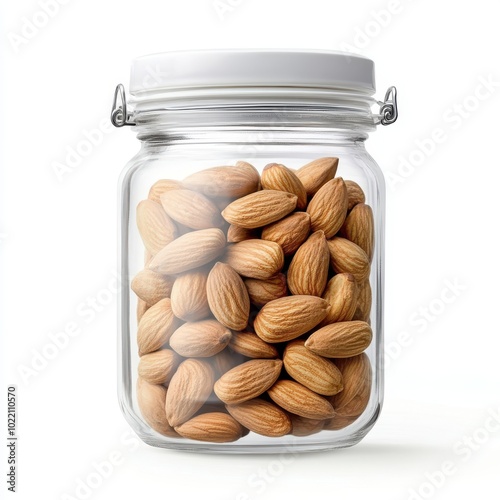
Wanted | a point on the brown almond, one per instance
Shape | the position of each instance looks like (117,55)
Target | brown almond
(338,422)
(228,297)
(257,259)
(156,327)
(328,208)
(236,234)
(278,177)
(317,173)
(311,370)
(302,426)
(252,346)
(200,339)
(300,400)
(308,271)
(342,294)
(340,340)
(155,227)
(189,296)
(162,186)
(263,291)
(364,304)
(189,251)
(359,228)
(289,317)
(248,380)
(189,388)
(158,367)
(354,193)
(151,287)
(289,232)
(347,257)
(261,417)
(215,427)
(260,208)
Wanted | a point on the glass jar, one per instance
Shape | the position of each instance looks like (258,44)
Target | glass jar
(252,251)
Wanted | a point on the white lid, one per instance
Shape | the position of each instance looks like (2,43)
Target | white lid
(252,68)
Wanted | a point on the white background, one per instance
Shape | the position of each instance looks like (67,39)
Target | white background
(58,246)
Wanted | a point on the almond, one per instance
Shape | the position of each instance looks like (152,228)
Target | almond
(236,234)
(289,317)
(257,259)
(340,340)
(317,173)
(261,417)
(342,295)
(312,371)
(302,426)
(142,307)
(278,177)
(225,361)
(158,367)
(300,400)
(155,227)
(156,327)
(354,193)
(228,297)
(359,228)
(200,339)
(263,291)
(336,423)
(308,271)
(252,346)
(151,400)
(364,305)
(191,209)
(260,208)
(189,296)
(347,257)
(215,427)
(226,181)
(248,380)
(328,208)
(162,186)
(151,287)
(289,232)
(189,388)
(189,251)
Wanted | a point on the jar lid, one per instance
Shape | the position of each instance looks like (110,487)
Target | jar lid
(252,68)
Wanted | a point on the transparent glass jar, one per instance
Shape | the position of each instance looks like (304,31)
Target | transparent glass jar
(252,251)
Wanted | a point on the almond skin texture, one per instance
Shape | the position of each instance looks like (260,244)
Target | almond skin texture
(263,291)
(225,182)
(189,296)
(342,295)
(225,361)
(308,271)
(289,317)
(191,209)
(312,371)
(151,287)
(248,380)
(213,427)
(162,186)
(359,228)
(300,400)
(236,234)
(200,339)
(252,346)
(151,400)
(328,208)
(156,327)
(305,426)
(155,227)
(364,305)
(289,232)
(280,178)
(260,208)
(158,367)
(354,193)
(142,307)
(340,340)
(228,297)
(261,417)
(317,173)
(347,257)
(189,251)
(257,259)
(189,388)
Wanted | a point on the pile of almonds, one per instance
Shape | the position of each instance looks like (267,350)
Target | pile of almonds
(254,304)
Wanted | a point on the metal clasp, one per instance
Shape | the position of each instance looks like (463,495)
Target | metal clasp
(389,108)
(119,114)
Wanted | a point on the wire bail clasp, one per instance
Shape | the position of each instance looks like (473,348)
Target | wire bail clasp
(119,114)
(389,108)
